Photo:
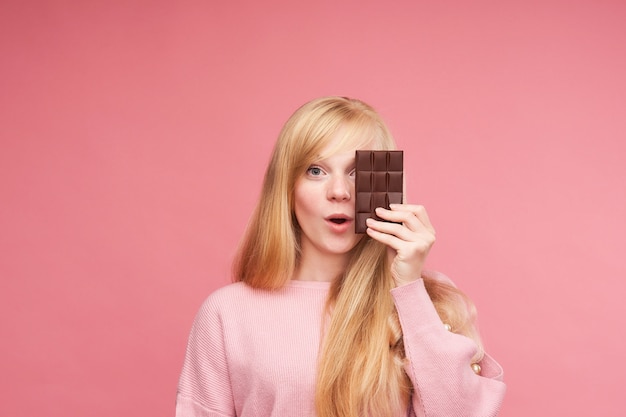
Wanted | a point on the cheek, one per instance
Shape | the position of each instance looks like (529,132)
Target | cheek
(304,204)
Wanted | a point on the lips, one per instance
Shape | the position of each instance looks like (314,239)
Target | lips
(339,219)
(338,216)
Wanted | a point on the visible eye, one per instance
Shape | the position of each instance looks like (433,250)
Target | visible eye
(352,173)
(314,171)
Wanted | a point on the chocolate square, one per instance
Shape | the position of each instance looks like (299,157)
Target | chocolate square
(378,184)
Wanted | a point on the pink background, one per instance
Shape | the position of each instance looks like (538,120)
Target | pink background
(134,135)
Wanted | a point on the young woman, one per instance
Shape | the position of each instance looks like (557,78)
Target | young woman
(325,322)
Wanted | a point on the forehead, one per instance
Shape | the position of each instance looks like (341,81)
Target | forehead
(345,141)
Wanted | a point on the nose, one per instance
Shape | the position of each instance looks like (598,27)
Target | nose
(340,189)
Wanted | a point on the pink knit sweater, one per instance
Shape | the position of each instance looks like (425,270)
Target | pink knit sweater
(254,353)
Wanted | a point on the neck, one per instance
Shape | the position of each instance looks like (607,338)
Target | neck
(320,268)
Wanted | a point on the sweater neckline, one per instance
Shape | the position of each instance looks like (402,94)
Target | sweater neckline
(322,285)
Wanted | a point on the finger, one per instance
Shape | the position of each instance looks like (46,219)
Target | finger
(393,229)
(400,238)
(410,219)
(418,211)
(388,239)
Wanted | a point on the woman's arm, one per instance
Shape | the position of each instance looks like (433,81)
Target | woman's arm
(204,388)
(439,362)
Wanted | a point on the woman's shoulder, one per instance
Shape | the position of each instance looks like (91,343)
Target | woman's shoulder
(230,290)
(225,298)
(229,293)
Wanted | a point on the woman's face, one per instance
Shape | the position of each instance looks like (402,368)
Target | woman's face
(324,206)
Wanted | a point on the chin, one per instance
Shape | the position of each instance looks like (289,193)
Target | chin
(342,249)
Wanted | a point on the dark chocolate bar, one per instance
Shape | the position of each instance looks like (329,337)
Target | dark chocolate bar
(378,184)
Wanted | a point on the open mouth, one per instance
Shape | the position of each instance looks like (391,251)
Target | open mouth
(338,221)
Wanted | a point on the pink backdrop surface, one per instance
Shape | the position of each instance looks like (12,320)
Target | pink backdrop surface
(134,135)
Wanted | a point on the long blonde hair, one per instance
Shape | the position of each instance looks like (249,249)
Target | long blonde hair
(361,361)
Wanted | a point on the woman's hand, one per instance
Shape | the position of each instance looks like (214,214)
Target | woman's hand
(409,242)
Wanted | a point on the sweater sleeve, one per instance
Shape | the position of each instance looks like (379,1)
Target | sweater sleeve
(439,362)
(204,388)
